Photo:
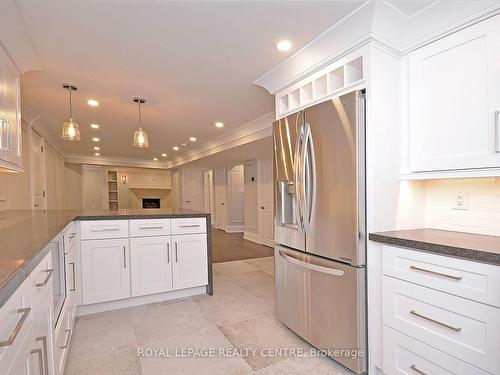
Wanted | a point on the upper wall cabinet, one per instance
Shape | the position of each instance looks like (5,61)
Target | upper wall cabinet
(454,99)
(10,116)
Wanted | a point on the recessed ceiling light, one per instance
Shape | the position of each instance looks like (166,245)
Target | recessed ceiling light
(97,148)
(192,139)
(175,148)
(92,102)
(94,126)
(164,155)
(95,139)
(97,154)
(284,45)
(219,124)
(155,159)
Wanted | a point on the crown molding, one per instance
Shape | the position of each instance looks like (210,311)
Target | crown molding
(251,131)
(15,39)
(113,162)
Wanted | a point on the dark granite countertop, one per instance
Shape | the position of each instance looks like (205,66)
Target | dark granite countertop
(475,247)
(24,235)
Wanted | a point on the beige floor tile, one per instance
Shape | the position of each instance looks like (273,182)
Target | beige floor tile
(305,366)
(120,363)
(252,279)
(205,362)
(101,334)
(159,321)
(264,264)
(233,268)
(266,335)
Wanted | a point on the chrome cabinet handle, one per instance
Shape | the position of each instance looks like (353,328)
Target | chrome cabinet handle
(176,258)
(416,369)
(189,226)
(310,266)
(25,312)
(497,131)
(124,258)
(74,279)
(168,252)
(66,344)
(43,339)
(436,273)
(72,235)
(40,359)
(49,274)
(456,329)
(151,227)
(104,229)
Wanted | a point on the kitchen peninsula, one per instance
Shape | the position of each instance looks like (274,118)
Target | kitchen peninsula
(57,264)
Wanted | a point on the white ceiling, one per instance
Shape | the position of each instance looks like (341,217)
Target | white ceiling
(194,61)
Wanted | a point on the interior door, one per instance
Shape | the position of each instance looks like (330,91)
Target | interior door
(50,175)
(220,197)
(192,184)
(92,187)
(333,179)
(266,201)
(38,181)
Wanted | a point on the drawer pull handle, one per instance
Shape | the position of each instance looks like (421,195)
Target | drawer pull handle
(66,344)
(74,278)
(151,227)
(72,235)
(456,329)
(176,258)
(416,369)
(49,274)
(168,252)
(43,339)
(436,273)
(189,226)
(38,352)
(25,312)
(104,229)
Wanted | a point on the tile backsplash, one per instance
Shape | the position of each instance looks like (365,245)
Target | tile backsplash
(481,196)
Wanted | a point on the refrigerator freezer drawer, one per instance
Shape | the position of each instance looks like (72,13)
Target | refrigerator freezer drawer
(323,301)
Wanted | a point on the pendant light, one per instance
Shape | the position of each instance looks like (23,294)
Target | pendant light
(140,136)
(71,130)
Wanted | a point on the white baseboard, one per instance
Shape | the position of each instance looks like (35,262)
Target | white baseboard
(235,228)
(136,301)
(252,236)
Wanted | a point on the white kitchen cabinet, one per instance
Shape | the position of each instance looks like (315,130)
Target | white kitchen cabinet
(105,270)
(454,93)
(151,265)
(22,362)
(10,109)
(189,261)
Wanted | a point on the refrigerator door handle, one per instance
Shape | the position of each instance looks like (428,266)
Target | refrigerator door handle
(298,179)
(309,177)
(311,266)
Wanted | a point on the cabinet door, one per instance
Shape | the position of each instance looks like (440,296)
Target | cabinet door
(151,265)
(22,363)
(454,93)
(105,270)
(190,266)
(11,109)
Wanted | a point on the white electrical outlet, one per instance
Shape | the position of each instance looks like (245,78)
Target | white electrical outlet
(460,199)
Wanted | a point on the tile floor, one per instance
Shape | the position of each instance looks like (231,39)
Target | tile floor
(239,315)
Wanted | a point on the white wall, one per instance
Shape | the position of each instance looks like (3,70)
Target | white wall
(236,203)
(483,214)
(251,198)
(73,184)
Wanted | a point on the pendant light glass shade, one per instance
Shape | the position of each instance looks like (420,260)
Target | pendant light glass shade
(141,139)
(140,136)
(71,130)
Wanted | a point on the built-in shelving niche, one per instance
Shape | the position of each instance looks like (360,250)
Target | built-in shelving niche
(327,84)
(113,190)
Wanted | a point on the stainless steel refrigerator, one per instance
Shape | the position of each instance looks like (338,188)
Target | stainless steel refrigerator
(319,179)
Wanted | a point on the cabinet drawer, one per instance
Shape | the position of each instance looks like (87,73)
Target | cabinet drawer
(149,227)
(188,226)
(404,355)
(462,328)
(70,236)
(99,229)
(16,318)
(472,280)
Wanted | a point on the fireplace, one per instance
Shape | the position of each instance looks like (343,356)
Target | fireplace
(150,202)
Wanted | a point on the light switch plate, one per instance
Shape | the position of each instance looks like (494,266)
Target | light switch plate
(460,199)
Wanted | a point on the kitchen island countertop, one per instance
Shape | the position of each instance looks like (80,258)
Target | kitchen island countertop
(24,234)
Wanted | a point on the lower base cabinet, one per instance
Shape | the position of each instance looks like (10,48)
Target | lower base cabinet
(190,261)
(105,270)
(151,265)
